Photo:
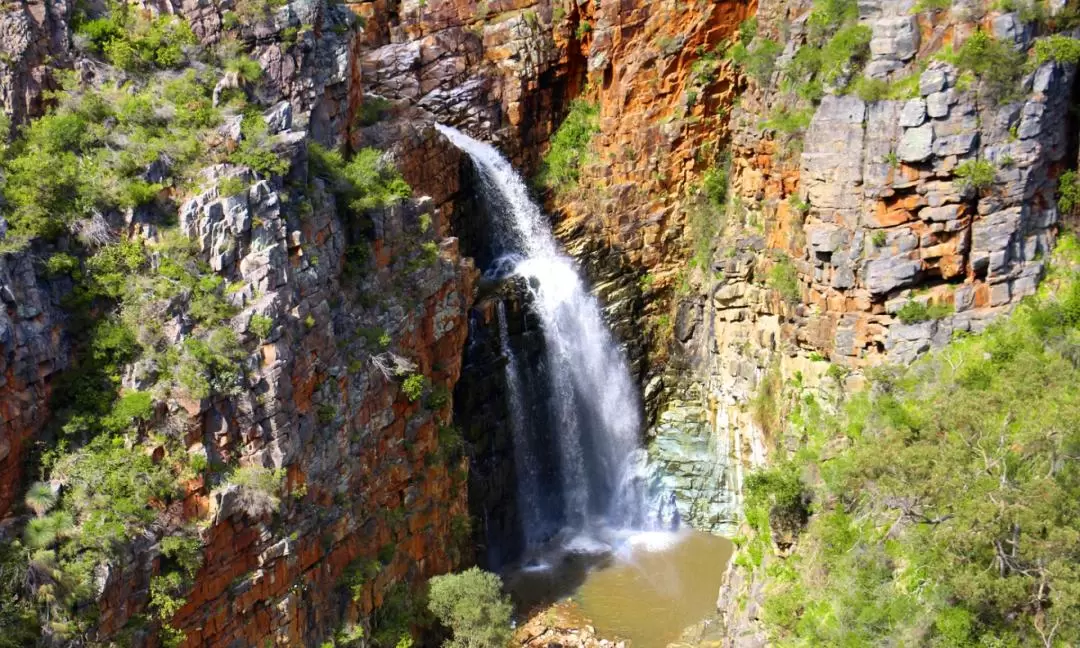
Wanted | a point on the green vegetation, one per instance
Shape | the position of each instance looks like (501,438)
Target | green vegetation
(975,174)
(134,43)
(997,64)
(373,110)
(413,387)
(569,150)
(932,5)
(365,182)
(708,212)
(261,326)
(1059,48)
(784,279)
(837,47)
(260,489)
(879,239)
(472,605)
(943,498)
(915,311)
(1069,192)
(756,59)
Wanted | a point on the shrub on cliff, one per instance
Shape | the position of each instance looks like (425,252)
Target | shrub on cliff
(561,168)
(472,605)
(945,496)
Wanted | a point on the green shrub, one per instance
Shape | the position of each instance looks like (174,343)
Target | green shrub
(472,605)
(975,174)
(932,5)
(372,110)
(784,279)
(879,239)
(913,312)
(256,148)
(757,60)
(185,552)
(61,264)
(363,183)
(133,42)
(996,63)
(829,16)
(959,452)
(748,30)
(1059,48)
(561,167)
(787,121)
(260,489)
(1069,192)
(413,387)
(261,326)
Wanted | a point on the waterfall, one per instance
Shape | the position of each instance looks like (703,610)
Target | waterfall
(525,456)
(593,402)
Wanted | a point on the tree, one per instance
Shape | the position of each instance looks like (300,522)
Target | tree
(473,606)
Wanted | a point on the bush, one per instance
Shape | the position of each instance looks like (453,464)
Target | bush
(1059,48)
(261,326)
(943,509)
(1069,192)
(561,167)
(975,174)
(757,60)
(372,110)
(913,312)
(363,183)
(784,279)
(136,43)
(472,605)
(996,63)
(413,387)
(260,489)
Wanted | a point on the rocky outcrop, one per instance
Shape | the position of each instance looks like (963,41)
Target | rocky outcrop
(34,37)
(34,349)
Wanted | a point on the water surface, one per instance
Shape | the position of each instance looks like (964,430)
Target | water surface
(657,588)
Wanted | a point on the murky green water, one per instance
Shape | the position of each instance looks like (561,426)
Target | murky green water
(656,588)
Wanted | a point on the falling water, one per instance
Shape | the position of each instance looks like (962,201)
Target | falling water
(525,459)
(594,402)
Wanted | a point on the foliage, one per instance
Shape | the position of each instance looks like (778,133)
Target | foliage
(1059,48)
(946,509)
(932,5)
(915,311)
(135,43)
(707,215)
(561,167)
(756,60)
(788,121)
(784,279)
(372,110)
(413,387)
(392,622)
(975,174)
(995,62)
(1069,192)
(260,489)
(261,326)
(256,149)
(473,606)
(67,166)
(364,182)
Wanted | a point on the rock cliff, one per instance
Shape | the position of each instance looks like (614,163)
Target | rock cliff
(739,231)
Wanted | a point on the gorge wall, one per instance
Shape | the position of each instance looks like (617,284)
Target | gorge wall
(801,266)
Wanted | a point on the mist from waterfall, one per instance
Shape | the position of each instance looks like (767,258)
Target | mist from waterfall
(592,401)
